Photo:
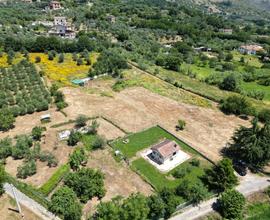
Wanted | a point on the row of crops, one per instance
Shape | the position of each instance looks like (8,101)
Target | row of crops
(22,90)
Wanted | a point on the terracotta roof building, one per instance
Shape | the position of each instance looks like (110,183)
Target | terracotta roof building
(165,150)
(250,49)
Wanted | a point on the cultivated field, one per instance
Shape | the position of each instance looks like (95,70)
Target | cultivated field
(135,109)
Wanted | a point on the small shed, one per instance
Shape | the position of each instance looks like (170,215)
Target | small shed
(80,82)
(63,135)
(46,117)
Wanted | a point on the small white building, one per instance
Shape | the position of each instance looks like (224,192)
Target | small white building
(251,49)
(64,135)
(45,117)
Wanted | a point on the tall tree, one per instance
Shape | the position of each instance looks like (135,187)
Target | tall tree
(221,176)
(251,144)
(64,203)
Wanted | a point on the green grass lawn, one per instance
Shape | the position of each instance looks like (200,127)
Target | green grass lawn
(159,180)
(88,140)
(145,139)
(259,211)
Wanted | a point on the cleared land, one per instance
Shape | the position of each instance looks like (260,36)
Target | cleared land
(135,109)
(8,210)
(119,179)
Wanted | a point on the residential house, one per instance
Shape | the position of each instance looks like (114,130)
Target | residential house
(63,28)
(55,5)
(164,151)
(226,31)
(111,18)
(250,49)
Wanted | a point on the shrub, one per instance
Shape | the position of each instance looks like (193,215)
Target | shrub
(74,138)
(79,62)
(61,105)
(5,148)
(37,133)
(181,124)
(61,58)
(93,127)
(181,172)
(264,115)
(229,83)
(2,179)
(99,143)
(77,158)
(81,121)
(236,105)
(231,204)
(6,119)
(195,162)
(37,59)
(27,169)
(194,193)
(22,147)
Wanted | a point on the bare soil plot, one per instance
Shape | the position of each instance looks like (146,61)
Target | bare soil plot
(134,109)
(8,210)
(119,180)
(49,143)
(24,124)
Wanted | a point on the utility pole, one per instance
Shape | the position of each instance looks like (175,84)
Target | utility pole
(17,202)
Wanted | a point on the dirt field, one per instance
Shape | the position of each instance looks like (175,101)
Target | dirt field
(134,109)
(24,124)
(8,210)
(119,180)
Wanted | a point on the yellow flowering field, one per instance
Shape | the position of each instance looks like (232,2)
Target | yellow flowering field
(61,72)
(3,59)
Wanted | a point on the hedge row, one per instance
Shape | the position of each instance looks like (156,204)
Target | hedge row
(52,183)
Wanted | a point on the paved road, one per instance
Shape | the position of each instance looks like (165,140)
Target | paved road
(30,203)
(248,185)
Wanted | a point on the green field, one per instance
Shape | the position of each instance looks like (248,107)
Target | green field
(144,139)
(211,92)
(259,211)
(159,180)
(253,86)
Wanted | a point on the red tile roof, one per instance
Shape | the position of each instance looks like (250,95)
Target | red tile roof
(166,148)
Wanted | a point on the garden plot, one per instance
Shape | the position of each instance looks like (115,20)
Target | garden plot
(134,109)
